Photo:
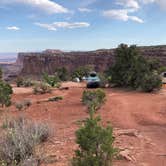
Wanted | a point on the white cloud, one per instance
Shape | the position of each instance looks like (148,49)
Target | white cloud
(161,3)
(129,4)
(47,6)
(122,14)
(84,10)
(13,28)
(54,26)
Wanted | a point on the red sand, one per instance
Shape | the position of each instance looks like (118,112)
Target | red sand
(125,110)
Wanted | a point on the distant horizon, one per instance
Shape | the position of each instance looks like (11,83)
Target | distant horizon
(14,54)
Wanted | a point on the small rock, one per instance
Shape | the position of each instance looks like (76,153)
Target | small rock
(126,155)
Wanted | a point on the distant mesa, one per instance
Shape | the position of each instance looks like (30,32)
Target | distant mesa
(36,63)
(52,51)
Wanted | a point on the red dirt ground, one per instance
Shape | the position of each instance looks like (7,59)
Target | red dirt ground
(146,113)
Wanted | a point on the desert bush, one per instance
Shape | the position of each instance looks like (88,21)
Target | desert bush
(81,72)
(52,80)
(20,140)
(103,80)
(41,88)
(23,104)
(151,82)
(93,99)
(130,69)
(25,82)
(62,74)
(28,83)
(162,69)
(56,98)
(19,81)
(5,94)
(19,106)
(95,142)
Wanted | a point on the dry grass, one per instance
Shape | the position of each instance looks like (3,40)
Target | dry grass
(17,146)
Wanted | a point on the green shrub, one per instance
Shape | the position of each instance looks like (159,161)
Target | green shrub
(82,71)
(95,142)
(162,69)
(93,99)
(103,80)
(28,83)
(5,94)
(41,88)
(95,145)
(18,144)
(52,80)
(130,69)
(151,82)
(19,81)
(62,74)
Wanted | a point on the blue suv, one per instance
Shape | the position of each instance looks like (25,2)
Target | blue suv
(93,81)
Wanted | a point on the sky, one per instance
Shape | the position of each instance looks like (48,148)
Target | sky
(35,25)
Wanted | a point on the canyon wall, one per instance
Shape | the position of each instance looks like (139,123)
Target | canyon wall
(34,64)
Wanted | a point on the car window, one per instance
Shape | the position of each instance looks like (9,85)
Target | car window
(93,75)
(164,75)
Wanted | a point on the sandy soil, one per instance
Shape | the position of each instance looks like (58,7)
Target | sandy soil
(145,113)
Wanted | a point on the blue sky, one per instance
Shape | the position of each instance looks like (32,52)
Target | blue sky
(35,25)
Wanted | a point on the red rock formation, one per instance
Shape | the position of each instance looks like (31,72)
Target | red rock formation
(37,63)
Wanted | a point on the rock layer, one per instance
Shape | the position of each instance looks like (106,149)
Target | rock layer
(37,63)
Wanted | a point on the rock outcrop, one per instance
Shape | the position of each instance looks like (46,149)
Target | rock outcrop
(37,63)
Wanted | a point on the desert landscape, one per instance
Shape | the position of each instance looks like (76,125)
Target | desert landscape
(82,83)
(138,120)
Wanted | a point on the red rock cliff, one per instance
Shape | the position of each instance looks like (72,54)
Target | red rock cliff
(37,63)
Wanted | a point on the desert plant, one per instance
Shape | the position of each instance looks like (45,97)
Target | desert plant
(95,142)
(28,82)
(52,80)
(20,140)
(41,88)
(62,74)
(162,69)
(130,68)
(5,94)
(93,99)
(150,82)
(103,80)
(19,81)
(19,106)
(81,72)
(23,104)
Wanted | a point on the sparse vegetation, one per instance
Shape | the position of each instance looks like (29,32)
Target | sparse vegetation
(5,94)
(62,74)
(95,142)
(52,80)
(20,139)
(19,81)
(81,72)
(93,99)
(23,104)
(41,88)
(130,69)
(25,82)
